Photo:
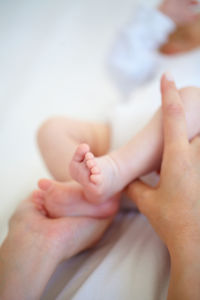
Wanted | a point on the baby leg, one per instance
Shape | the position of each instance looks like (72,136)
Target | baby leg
(58,138)
(143,154)
(104,176)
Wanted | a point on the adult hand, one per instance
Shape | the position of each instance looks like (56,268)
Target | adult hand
(36,244)
(180,11)
(173,207)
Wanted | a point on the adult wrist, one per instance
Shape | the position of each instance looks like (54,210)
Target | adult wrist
(25,267)
(185,272)
(185,251)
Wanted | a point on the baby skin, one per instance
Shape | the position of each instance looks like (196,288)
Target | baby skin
(98,181)
(57,199)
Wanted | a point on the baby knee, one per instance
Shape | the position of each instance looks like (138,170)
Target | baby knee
(46,127)
(49,128)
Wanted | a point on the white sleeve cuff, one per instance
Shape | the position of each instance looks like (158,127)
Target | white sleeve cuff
(134,55)
(150,27)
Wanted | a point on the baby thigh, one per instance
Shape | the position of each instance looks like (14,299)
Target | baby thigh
(58,138)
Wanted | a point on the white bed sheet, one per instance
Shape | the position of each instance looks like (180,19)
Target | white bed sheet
(52,62)
(52,59)
(130,263)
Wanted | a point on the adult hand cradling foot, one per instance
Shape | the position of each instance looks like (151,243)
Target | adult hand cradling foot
(36,244)
(173,207)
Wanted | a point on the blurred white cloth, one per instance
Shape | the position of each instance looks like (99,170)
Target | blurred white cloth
(134,57)
(130,263)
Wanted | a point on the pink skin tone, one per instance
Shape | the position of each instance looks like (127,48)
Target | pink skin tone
(180,11)
(101,179)
(36,245)
(57,199)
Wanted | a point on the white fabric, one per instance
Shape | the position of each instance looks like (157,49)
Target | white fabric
(130,263)
(134,57)
(52,62)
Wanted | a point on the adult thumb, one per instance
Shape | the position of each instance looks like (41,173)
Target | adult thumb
(141,194)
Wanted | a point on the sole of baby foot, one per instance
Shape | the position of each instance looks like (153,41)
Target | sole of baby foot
(96,175)
(67,199)
(38,200)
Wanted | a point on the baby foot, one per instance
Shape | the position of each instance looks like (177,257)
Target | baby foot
(67,199)
(98,176)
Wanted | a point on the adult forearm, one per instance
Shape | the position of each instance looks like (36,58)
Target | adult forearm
(185,274)
(24,269)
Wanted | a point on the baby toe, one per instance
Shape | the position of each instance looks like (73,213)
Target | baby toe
(95,170)
(89,156)
(38,196)
(90,163)
(80,152)
(96,178)
(45,184)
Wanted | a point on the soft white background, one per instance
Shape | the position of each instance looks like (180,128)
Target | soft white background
(52,61)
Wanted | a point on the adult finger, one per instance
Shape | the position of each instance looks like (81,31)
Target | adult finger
(196,141)
(195,147)
(141,194)
(174,121)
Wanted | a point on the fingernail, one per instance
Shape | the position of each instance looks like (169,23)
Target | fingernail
(169,76)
